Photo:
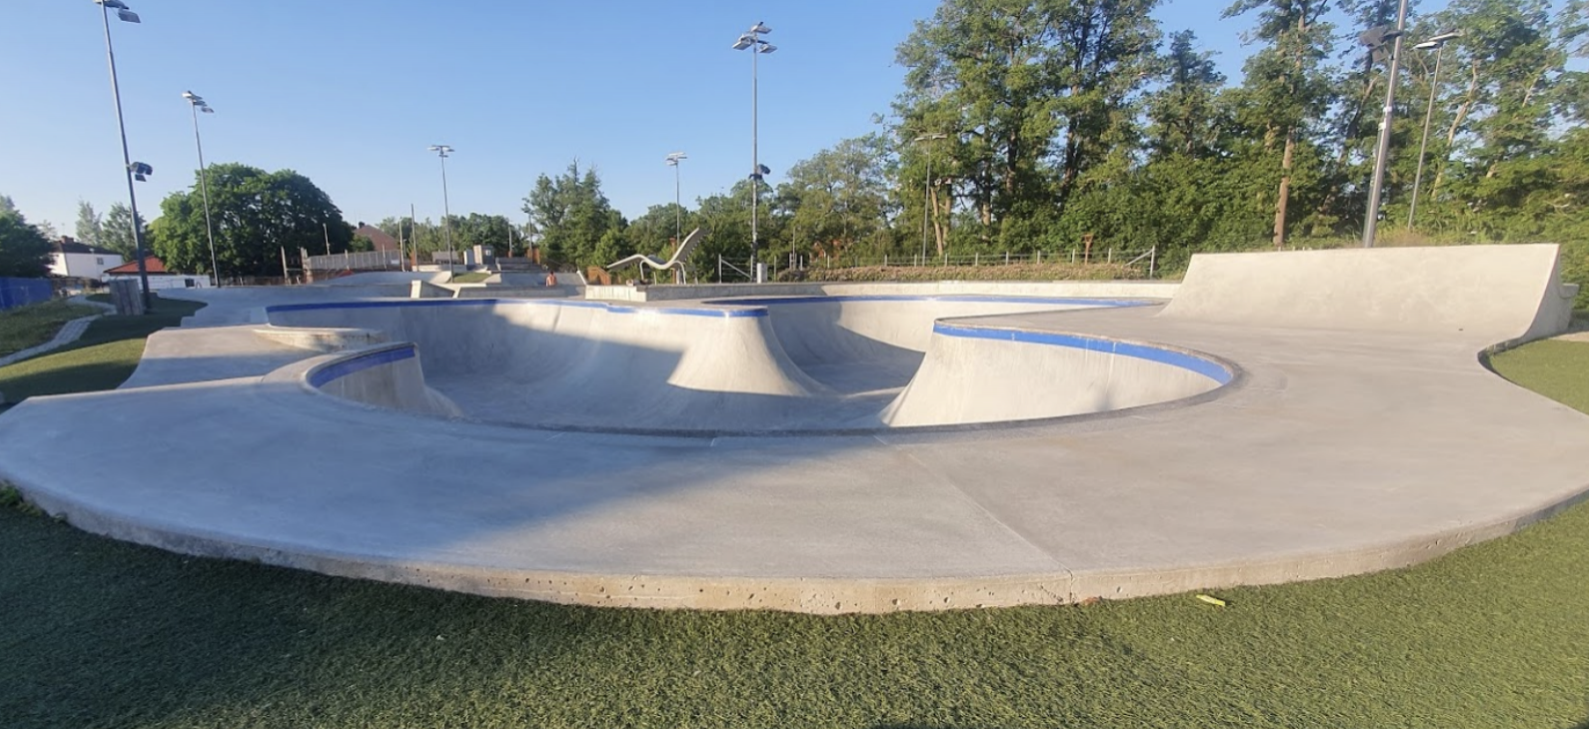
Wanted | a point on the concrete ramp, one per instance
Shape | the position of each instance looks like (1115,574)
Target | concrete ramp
(1504,293)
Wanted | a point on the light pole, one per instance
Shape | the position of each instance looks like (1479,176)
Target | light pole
(197,102)
(752,40)
(442,151)
(1381,155)
(141,170)
(673,160)
(1438,43)
(926,200)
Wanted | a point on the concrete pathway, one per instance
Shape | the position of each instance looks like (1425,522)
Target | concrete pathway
(70,332)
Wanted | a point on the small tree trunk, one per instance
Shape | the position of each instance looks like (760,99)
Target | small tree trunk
(1285,189)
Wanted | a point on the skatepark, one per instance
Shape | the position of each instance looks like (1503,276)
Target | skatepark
(839,448)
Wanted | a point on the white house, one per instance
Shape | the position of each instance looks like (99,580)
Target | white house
(79,260)
(159,277)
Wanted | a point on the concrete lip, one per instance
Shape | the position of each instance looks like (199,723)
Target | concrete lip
(1330,452)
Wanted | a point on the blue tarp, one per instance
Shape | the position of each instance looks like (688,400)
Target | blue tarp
(23,291)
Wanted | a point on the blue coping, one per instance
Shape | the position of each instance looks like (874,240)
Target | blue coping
(1175,358)
(342,368)
(958,298)
(615,308)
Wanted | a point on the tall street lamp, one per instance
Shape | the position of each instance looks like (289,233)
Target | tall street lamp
(198,105)
(752,40)
(926,200)
(673,160)
(1381,155)
(442,151)
(126,14)
(1438,43)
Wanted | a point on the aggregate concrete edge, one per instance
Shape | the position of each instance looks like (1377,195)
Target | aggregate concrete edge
(817,596)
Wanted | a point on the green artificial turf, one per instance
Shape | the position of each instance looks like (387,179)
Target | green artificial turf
(96,633)
(103,358)
(30,326)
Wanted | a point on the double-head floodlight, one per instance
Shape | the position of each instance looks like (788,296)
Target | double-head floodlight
(122,11)
(140,171)
(441,149)
(674,157)
(1439,40)
(752,37)
(197,102)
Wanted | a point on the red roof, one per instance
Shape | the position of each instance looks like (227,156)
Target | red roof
(150,264)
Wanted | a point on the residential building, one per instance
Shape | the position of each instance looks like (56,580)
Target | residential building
(159,277)
(71,259)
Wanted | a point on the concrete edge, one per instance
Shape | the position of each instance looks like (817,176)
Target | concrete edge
(810,595)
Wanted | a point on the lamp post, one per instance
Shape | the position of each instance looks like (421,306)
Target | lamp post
(673,161)
(752,40)
(126,14)
(442,151)
(1381,155)
(1438,43)
(197,103)
(926,200)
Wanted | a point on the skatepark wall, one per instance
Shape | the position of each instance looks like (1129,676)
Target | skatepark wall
(1504,294)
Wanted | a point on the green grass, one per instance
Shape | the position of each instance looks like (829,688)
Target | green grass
(98,634)
(475,277)
(103,358)
(30,326)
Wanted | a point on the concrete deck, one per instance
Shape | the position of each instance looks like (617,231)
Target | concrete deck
(1336,451)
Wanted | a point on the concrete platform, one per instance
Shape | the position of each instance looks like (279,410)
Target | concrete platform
(1334,450)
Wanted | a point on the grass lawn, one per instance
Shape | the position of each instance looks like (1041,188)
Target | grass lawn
(30,326)
(472,277)
(104,358)
(99,633)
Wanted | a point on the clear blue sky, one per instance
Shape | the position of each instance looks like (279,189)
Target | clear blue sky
(350,93)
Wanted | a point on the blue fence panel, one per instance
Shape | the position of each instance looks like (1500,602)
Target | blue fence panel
(16,292)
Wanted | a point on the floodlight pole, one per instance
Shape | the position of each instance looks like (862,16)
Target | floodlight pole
(752,40)
(755,167)
(126,158)
(678,207)
(1439,42)
(195,102)
(1382,154)
(442,151)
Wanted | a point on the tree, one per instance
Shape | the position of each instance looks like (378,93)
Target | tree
(24,251)
(572,216)
(477,229)
(89,224)
(1286,84)
(1184,115)
(1042,88)
(116,232)
(840,196)
(255,213)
